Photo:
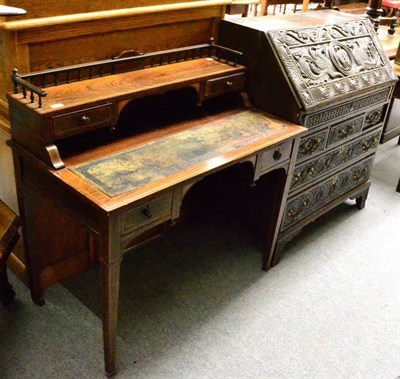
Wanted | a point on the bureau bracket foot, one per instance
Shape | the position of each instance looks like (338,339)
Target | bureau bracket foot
(361,198)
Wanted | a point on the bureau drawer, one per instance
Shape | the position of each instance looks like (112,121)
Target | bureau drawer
(74,122)
(148,213)
(332,160)
(312,143)
(374,117)
(305,203)
(228,83)
(273,156)
(344,130)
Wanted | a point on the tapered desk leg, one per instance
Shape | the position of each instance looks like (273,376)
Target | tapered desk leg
(110,263)
(110,293)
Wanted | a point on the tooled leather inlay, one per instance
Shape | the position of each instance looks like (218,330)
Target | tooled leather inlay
(333,60)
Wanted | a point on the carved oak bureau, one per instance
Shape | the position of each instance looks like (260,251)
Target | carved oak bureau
(106,152)
(330,74)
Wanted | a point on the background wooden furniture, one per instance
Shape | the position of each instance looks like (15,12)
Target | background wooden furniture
(9,225)
(340,94)
(243,7)
(392,125)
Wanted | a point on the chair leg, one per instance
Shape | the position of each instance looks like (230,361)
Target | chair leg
(7,293)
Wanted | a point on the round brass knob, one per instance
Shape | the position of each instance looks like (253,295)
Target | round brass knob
(277,155)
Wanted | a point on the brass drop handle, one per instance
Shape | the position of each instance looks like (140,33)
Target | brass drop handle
(360,175)
(346,132)
(368,144)
(229,83)
(292,213)
(296,177)
(147,212)
(310,171)
(310,145)
(277,155)
(85,119)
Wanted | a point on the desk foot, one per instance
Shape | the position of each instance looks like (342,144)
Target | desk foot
(39,302)
(7,293)
(110,374)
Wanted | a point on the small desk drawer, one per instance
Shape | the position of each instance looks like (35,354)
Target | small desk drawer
(273,156)
(148,213)
(228,83)
(90,118)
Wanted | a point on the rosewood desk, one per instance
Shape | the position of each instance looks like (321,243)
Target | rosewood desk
(87,194)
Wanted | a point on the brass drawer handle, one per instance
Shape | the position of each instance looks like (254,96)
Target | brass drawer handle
(85,119)
(147,212)
(361,174)
(369,144)
(229,83)
(310,145)
(346,132)
(292,213)
(296,177)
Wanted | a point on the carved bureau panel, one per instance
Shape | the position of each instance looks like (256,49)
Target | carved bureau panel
(331,61)
(307,202)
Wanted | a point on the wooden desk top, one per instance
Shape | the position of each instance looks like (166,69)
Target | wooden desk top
(232,139)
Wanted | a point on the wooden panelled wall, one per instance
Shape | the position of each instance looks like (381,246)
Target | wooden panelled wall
(57,33)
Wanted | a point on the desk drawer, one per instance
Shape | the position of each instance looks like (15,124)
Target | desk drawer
(273,156)
(228,83)
(74,122)
(148,213)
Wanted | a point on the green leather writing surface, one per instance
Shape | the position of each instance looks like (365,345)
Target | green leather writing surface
(127,170)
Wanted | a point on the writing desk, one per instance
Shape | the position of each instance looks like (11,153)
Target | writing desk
(84,202)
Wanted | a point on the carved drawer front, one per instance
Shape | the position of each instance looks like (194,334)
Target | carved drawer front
(342,110)
(228,83)
(314,169)
(148,213)
(313,143)
(374,117)
(345,130)
(90,118)
(275,155)
(323,193)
